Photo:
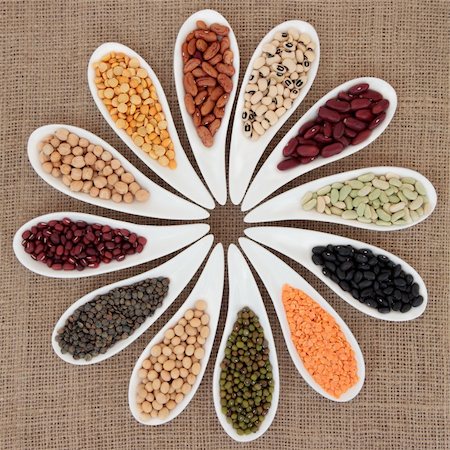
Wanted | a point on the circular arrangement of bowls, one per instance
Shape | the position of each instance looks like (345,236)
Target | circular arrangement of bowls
(297,244)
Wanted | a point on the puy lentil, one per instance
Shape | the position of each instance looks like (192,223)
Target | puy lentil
(98,324)
(76,245)
(371,196)
(246,381)
(374,280)
(347,119)
(132,101)
(63,154)
(320,342)
(172,367)
(278,75)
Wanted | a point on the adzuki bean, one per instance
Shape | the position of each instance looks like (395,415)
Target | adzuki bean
(347,119)
(208,70)
(76,245)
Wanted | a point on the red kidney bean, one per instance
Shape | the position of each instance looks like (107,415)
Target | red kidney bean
(322,139)
(327,129)
(344,120)
(380,106)
(311,132)
(364,114)
(358,89)
(361,137)
(288,164)
(308,150)
(338,130)
(344,141)
(354,124)
(329,114)
(306,126)
(67,245)
(332,149)
(302,140)
(375,122)
(372,95)
(290,147)
(360,103)
(345,96)
(350,133)
(338,105)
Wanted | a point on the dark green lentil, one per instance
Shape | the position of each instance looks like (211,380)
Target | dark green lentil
(246,382)
(97,325)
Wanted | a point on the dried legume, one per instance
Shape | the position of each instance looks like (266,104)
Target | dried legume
(171,369)
(246,382)
(347,119)
(208,70)
(69,245)
(320,342)
(97,325)
(88,168)
(278,75)
(368,201)
(374,280)
(132,101)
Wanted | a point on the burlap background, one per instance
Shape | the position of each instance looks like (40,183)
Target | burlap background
(47,404)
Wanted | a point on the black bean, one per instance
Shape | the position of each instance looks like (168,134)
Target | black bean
(384,309)
(370,278)
(317,260)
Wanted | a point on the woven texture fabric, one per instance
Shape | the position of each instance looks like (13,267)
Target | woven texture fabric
(47,404)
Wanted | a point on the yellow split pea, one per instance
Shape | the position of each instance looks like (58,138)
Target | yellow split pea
(130,96)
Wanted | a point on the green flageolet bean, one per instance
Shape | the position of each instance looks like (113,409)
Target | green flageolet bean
(366,177)
(376,203)
(374,194)
(408,180)
(343,193)
(311,204)
(398,215)
(407,186)
(337,185)
(415,204)
(327,211)
(367,212)
(394,198)
(420,211)
(308,196)
(363,220)
(420,188)
(383,223)
(340,205)
(399,222)
(374,215)
(395,182)
(425,199)
(320,204)
(336,211)
(349,202)
(397,207)
(327,199)
(390,191)
(365,191)
(407,215)
(360,209)
(383,215)
(410,195)
(402,197)
(380,184)
(386,207)
(324,190)
(349,215)
(383,197)
(356,184)
(414,215)
(391,175)
(334,196)
(353,193)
